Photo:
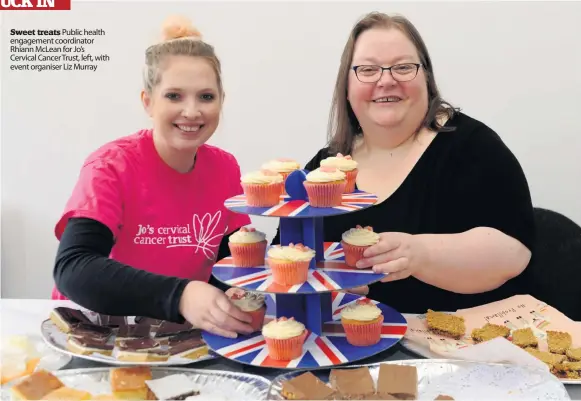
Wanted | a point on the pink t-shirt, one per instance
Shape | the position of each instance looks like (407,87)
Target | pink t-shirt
(163,221)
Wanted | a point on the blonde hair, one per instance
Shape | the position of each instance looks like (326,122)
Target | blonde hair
(179,38)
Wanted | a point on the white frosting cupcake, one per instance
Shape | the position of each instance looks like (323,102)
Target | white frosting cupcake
(247,236)
(343,163)
(360,236)
(326,174)
(262,177)
(283,328)
(281,165)
(291,252)
(362,310)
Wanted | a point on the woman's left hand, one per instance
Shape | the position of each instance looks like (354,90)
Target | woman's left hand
(399,254)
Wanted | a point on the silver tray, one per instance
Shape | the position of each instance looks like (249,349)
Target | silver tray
(215,384)
(464,380)
(57,340)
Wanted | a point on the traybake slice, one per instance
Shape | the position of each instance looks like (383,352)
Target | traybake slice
(490,331)
(559,341)
(307,386)
(445,324)
(525,338)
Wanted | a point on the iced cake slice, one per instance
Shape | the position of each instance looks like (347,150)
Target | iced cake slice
(567,370)
(546,357)
(89,345)
(490,331)
(66,318)
(173,387)
(167,329)
(188,345)
(352,383)
(445,324)
(129,383)
(574,354)
(91,330)
(559,342)
(132,331)
(142,350)
(525,338)
(36,386)
(400,381)
(307,386)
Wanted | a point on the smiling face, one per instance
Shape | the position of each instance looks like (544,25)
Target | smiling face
(185,105)
(387,102)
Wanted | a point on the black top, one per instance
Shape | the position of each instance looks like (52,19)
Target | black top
(84,274)
(465,179)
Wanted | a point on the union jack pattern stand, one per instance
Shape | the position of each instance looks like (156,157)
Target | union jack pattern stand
(317,302)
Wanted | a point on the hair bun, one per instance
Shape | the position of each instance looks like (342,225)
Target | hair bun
(177,27)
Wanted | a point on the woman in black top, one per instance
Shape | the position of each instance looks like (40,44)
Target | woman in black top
(454,208)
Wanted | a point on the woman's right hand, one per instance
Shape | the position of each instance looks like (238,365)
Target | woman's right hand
(208,308)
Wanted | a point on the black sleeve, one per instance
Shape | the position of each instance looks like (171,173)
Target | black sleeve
(313,164)
(223,251)
(485,186)
(84,274)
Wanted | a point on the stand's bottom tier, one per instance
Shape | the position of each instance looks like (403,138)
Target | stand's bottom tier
(329,349)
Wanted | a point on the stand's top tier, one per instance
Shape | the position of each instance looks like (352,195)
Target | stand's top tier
(296,203)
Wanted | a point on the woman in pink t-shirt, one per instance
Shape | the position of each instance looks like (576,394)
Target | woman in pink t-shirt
(146,220)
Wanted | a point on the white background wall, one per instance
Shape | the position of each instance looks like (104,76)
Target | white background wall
(515,66)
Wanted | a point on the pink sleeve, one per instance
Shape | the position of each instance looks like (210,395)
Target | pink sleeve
(236,220)
(96,195)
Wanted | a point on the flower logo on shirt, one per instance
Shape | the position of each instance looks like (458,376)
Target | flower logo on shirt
(203,233)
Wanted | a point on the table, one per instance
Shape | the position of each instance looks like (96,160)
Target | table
(24,316)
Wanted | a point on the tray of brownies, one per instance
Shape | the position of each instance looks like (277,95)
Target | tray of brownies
(519,329)
(122,340)
(138,383)
(427,379)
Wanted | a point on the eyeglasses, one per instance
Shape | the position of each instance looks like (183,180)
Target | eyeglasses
(399,72)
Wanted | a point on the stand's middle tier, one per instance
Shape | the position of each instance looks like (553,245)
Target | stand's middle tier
(330,274)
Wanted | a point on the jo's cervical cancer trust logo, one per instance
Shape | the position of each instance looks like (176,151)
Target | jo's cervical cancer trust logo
(44,5)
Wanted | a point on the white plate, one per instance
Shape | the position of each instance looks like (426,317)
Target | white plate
(57,340)
(212,384)
(464,380)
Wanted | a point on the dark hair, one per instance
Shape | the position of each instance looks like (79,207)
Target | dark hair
(343,125)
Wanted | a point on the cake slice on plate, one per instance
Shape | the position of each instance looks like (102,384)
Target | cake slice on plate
(307,386)
(445,324)
(142,350)
(173,387)
(66,318)
(129,383)
(36,386)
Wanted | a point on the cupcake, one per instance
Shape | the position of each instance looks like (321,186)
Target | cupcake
(347,165)
(325,187)
(251,303)
(282,166)
(355,241)
(289,264)
(284,338)
(262,188)
(362,322)
(247,247)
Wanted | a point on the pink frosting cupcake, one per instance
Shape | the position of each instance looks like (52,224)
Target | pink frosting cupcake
(248,247)
(345,164)
(251,303)
(355,241)
(262,188)
(325,187)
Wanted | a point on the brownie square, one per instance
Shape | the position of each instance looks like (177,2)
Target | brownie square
(355,383)
(400,381)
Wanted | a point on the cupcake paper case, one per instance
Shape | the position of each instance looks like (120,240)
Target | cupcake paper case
(248,247)
(345,164)
(282,166)
(355,241)
(289,264)
(250,302)
(362,322)
(262,188)
(325,187)
(284,338)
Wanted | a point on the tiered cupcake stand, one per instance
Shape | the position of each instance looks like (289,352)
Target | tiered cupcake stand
(318,302)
